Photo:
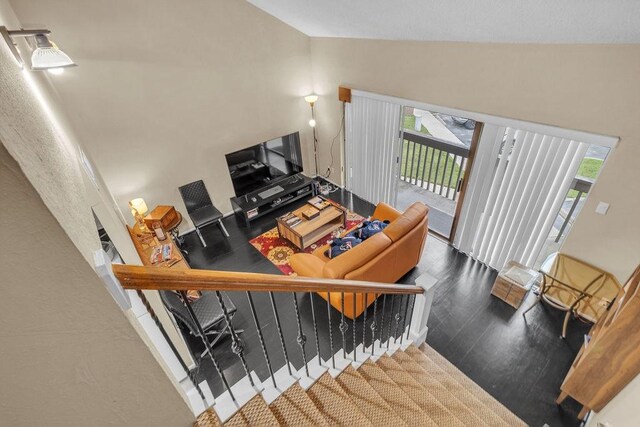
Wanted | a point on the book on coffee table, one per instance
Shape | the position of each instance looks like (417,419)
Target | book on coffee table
(319,203)
(291,219)
(310,213)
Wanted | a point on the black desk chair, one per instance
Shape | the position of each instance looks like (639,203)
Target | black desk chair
(200,208)
(208,312)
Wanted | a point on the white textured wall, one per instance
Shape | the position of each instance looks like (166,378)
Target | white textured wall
(43,151)
(35,130)
(68,356)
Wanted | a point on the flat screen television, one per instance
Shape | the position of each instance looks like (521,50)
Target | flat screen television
(263,164)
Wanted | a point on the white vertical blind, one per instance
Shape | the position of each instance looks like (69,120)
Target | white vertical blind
(372,147)
(516,189)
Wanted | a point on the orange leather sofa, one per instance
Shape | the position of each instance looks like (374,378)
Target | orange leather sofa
(384,257)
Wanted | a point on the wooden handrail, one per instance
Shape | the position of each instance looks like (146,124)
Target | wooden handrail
(153,278)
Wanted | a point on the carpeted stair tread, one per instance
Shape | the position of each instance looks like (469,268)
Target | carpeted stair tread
(460,391)
(207,419)
(478,392)
(421,395)
(334,404)
(449,400)
(254,413)
(367,399)
(295,408)
(395,397)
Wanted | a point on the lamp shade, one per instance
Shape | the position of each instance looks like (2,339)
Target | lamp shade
(46,55)
(139,206)
(311,98)
(56,71)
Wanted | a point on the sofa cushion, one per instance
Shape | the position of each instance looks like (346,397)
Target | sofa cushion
(338,267)
(406,222)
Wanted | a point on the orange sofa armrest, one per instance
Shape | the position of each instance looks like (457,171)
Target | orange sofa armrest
(319,252)
(385,212)
(307,265)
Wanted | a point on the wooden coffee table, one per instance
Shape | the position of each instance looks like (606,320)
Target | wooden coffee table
(309,231)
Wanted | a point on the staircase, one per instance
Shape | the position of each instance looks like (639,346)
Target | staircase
(386,380)
(410,386)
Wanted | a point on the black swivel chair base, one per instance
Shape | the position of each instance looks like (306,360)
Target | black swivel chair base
(222,228)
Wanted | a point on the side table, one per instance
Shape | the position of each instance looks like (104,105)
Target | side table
(513,283)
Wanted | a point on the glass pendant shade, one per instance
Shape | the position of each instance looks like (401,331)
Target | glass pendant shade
(47,55)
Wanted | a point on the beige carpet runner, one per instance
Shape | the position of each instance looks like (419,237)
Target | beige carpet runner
(413,387)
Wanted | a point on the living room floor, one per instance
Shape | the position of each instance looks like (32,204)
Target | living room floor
(520,362)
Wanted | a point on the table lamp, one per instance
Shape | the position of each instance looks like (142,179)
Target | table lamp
(138,210)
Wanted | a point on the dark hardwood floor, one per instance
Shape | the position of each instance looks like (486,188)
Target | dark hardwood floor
(521,362)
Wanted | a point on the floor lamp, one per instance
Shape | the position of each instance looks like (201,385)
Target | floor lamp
(311,99)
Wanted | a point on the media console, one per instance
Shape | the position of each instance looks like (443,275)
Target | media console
(252,206)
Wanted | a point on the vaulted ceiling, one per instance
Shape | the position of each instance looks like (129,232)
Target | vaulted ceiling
(500,21)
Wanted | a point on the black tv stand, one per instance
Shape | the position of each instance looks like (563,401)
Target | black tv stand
(251,206)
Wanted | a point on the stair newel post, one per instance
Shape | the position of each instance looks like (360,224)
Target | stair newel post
(284,348)
(237,347)
(343,328)
(333,358)
(353,333)
(384,304)
(393,303)
(301,339)
(262,344)
(373,323)
(206,342)
(421,308)
(410,316)
(315,328)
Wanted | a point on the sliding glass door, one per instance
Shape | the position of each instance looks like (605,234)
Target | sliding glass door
(499,190)
(525,191)
(400,155)
(435,157)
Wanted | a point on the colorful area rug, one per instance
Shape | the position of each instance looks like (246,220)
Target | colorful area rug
(279,250)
